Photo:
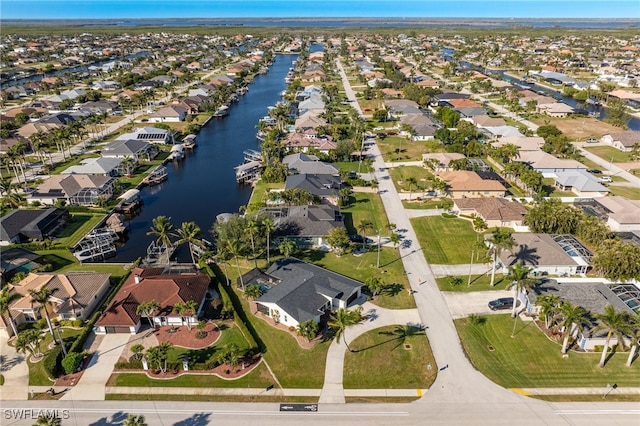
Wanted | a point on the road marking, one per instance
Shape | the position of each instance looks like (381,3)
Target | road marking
(600,412)
(419,392)
(520,391)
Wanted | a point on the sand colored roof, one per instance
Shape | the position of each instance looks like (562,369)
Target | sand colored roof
(525,143)
(493,208)
(463,180)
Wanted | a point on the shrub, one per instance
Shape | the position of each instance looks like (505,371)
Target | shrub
(41,324)
(71,362)
(52,362)
(201,334)
(77,322)
(476,319)
(131,365)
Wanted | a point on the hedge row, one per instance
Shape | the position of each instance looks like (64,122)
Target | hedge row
(52,362)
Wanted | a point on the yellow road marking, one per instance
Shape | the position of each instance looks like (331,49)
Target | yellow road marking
(520,391)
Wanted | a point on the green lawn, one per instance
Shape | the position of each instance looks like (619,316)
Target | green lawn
(445,240)
(230,334)
(478,283)
(429,203)
(625,191)
(258,378)
(80,224)
(409,150)
(381,361)
(366,206)
(259,194)
(37,374)
(609,153)
(400,175)
(362,267)
(531,360)
(64,261)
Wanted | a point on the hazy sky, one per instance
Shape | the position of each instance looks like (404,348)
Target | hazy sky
(73,9)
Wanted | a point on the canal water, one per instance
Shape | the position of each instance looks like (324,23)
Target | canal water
(203,184)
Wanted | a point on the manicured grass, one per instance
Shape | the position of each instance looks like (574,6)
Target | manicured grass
(210,398)
(230,334)
(293,366)
(478,283)
(362,267)
(80,224)
(64,261)
(429,203)
(259,194)
(400,175)
(531,360)
(257,378)
(409,150)
(445,240)
(366,206)
(37,374)
(352,166)
(609,153)
(625,191)
(383,353)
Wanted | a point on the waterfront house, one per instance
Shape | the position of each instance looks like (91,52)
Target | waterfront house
(152,135)
(307,225)
(23,225)
(308,139)
(624,141)
(74,295)
(167,286)
(297,291)
(105,166)
(325,187)
(555,109)
(308,164)
(137,149)
(74,189)
(170,113)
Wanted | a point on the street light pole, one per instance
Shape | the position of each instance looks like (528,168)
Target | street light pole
(378,263)
(470,265)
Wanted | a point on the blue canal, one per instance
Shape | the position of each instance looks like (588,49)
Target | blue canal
(203,185)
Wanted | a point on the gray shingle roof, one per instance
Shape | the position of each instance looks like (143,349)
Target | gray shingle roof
(306,288)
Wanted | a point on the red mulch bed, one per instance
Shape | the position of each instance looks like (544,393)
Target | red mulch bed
(185,338)
(224,371)
(72,379)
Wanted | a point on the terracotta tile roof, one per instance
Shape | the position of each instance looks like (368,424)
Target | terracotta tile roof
(463,180)
(166,287)
(493,208)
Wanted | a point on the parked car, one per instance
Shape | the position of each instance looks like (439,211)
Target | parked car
(592,140)
(359,239)
(605,179)
(595,171)
(502,303)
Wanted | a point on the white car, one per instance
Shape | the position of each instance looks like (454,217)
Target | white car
(605,179)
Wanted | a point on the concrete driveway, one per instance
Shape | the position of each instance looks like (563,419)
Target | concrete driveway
(464,304)
(15,370)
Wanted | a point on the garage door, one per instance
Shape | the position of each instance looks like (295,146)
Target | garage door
(121,329)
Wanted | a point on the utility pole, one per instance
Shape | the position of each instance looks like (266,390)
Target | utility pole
(378,263)
(470,265)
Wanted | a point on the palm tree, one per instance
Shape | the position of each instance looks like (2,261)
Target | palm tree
(29,341)
(43,297)
(251,229)
(128,165)
(616,323)
(635,340)
(269,227)
(363,226)
(234,248)
(253,292)
(308,329)
(341,319)
(549,304)
(133,420)
(188,307)
(6,299)
(519,277)
(287,247)
(499,240)
(163,229)
(374,284)
(48,420)
(574,318)
(146,310)
(411,181)
(189,233)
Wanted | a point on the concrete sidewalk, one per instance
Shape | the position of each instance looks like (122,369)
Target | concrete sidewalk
(15,370)
(440,271)
(93,381)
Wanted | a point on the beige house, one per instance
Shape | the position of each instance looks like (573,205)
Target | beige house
(556,109)
(73,295)
(439,161)
(622,214)
(623,141)
(496,212)
(466,184)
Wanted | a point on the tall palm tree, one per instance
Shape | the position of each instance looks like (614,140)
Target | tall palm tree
(342,319)
(500,241)
(6,299)
(615,323)
(635,339)
(189,233)
(234,248)
(269,227)
(163,230)
(519,276)
(147,309)
(43,297)
(188,307)
(252,229)
(411,181)
(287,247)
(572,318)
(363,226)
(549,305)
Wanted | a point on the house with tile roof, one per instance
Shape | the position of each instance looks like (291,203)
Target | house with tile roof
(624,141)
(467,184)
(165,285)
(298,291)
(74,295)
(325,187)
(74,189)
(621,214)
(306,225)
(496,212)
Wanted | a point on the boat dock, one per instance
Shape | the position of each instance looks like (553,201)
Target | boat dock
(158,253)
(156,176)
